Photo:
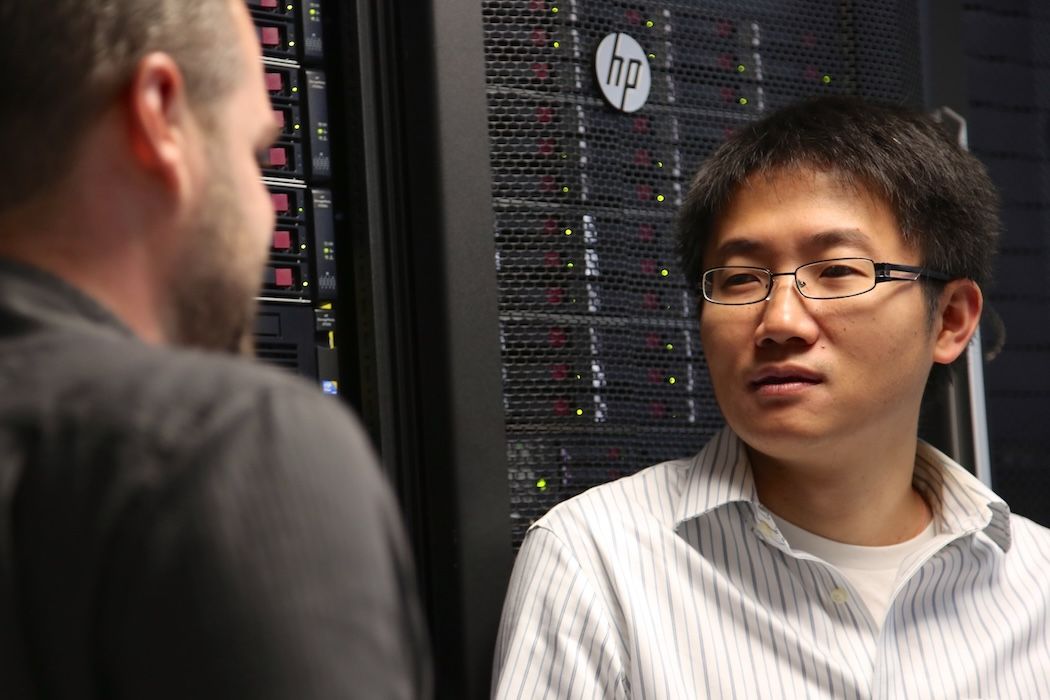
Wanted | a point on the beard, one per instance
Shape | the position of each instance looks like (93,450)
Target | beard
(219,276)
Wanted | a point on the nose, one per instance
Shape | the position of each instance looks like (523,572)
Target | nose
(785,316)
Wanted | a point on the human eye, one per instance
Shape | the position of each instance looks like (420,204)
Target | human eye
(739,279)
(840,269)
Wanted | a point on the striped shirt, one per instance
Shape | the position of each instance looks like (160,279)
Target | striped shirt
(676,583)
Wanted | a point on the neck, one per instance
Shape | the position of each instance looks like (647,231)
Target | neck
(117,275)
(855,496)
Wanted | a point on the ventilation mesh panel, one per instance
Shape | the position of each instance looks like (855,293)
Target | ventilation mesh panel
(1008,76)
(603,371)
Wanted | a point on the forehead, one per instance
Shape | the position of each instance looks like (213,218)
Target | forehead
(803,211)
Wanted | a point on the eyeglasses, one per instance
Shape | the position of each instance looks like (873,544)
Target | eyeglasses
(823,279)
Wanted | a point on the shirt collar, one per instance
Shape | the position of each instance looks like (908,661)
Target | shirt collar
(721,474)
(32,296)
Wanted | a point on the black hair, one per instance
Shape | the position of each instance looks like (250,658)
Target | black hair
(943,199)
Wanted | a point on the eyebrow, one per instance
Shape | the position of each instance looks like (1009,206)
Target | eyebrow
(821,239)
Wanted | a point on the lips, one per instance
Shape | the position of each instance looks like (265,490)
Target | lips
(776,379)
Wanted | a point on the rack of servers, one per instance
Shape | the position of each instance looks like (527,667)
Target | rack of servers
(513,326)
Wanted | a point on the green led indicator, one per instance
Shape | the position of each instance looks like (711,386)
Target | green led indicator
(660,198)
(320,131)
(313,10)
(306,284)
(300,210)
(826,79)
(297,127)
(564,156)
(669,346)
(659,164)
(541,484)
(579,376)
(570,264)
(295,89)
(327,251)
(302,246)
(554,10)
(650,24)
(672,380)
(742,100)
(568,232)
(664,272)
(557,44)
(652,56)
(565,189)
(579,411)
(291,43)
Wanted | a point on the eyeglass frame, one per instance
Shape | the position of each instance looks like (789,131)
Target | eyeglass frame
(882,274)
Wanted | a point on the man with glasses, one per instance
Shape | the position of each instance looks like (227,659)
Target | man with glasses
(815,547)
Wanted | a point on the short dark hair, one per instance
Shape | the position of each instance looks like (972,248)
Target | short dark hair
(943,199)
(67,60)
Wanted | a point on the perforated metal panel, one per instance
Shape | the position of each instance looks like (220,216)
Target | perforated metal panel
(1007,65)
(602,367)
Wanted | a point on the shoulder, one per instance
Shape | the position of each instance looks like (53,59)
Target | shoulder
(647,498)
(110,398)
(1029,538)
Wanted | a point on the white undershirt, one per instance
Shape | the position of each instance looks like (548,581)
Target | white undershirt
(873,571)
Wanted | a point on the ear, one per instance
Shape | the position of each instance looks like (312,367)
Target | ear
(160,121)
(959,312)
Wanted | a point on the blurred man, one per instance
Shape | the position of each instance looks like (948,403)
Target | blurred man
(176,522)
(815,547)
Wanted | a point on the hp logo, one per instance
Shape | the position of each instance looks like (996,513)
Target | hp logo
(622,70)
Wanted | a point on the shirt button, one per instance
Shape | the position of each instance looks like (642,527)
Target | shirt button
(839,595)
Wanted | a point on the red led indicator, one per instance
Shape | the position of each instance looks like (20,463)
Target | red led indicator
(278,157)
(268,4)
(555,295)
(648,266)
(547,183)
(544,115)
(655,376)
(539,37)
(650,301)
(646,232)
(561,407)
(550,225)
(280,203)
(536,5)
(657,410)
(274,82)
(725,28)
(632,17)
(559,372)
(270,36)
(725,61)
(652,340)
(641,125)
(552,259)
(642,157)
(283,277)
(282,240)
(556,337)
(727,94)
(546,147)
(541,70)
(644,192)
